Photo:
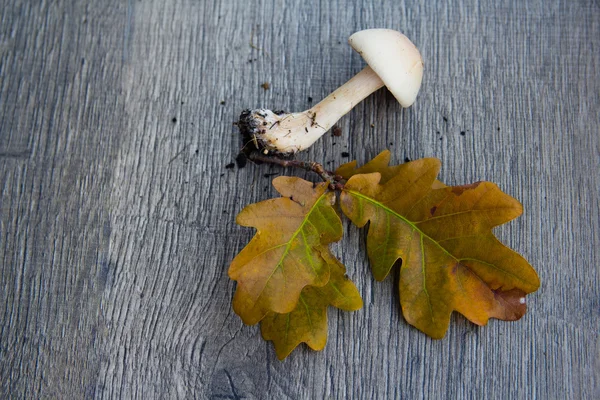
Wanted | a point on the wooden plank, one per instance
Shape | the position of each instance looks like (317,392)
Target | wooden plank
(60,117)
(117,211)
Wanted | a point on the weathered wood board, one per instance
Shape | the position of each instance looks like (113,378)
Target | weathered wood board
(117,211)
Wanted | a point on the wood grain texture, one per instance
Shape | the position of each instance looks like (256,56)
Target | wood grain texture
(117,211)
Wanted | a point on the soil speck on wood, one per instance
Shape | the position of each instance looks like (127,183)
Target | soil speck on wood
(309,99)
(241,160)
(266,85)
(336,131)
(230,166)
(345,154)
(463,133)
(174,120)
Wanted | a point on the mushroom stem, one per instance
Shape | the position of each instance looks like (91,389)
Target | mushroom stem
(327,112)
(290,133)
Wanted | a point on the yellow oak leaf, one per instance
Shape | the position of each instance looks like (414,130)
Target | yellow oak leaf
(289,250)
(307,323)
(450,260)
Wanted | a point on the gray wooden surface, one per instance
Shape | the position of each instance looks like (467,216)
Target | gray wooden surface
(117,221)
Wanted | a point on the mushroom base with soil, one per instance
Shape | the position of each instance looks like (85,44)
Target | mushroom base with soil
(289,133)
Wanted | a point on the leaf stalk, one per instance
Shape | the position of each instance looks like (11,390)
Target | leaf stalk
(335,182)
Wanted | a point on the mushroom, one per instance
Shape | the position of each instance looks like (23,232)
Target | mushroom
(393,60)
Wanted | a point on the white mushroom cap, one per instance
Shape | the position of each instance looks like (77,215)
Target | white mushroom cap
(394,58)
